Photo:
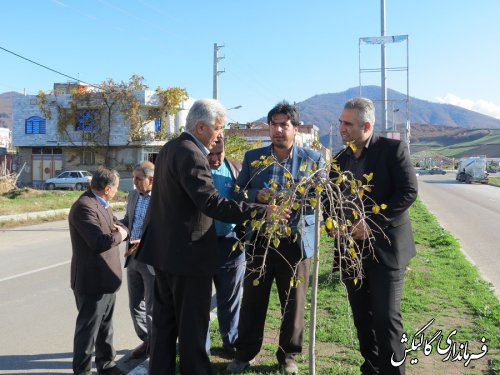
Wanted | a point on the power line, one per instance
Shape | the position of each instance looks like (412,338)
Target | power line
(46,67)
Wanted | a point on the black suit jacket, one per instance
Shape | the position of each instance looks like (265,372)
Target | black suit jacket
(95,264)
(179,235)
(395,184)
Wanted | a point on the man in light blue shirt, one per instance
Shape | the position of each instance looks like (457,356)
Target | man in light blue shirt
(228,277)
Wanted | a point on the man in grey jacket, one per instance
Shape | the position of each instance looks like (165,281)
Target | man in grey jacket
(140,279)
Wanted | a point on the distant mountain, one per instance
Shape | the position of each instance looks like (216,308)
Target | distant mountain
(324,110)
(6,109)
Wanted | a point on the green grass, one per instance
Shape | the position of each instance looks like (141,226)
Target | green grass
(30,200)
(440,284)
(494,181)
(458,148)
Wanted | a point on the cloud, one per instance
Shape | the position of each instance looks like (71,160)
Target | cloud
(482,106)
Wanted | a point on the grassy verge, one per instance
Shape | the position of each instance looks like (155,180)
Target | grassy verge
(440,284)
(31,200)
(494,181)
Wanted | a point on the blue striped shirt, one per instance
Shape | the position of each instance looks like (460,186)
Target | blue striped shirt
(139,214)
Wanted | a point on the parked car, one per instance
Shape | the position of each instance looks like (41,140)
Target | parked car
(437,171)
(77,180)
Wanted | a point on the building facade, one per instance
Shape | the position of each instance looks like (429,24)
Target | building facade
(84,143)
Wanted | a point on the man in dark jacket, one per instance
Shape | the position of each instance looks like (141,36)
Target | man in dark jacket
(140,279)
(95,273)
(376,298)
(180,241)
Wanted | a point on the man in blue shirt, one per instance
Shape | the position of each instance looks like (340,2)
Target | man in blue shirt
(228,277)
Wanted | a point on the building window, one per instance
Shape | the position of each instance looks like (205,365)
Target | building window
(88,157)
(46,151)
(86,120)
(34,125)
(158,124)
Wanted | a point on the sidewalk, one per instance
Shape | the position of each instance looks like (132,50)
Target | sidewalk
(43,214)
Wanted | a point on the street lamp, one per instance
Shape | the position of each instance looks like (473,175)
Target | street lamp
(229,109)
(393,123)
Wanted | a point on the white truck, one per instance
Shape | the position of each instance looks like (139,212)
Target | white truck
(472,169)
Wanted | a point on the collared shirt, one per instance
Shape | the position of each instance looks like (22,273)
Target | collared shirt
(279,168)
(356,165)
(224,183)
(200,145)
(139,214)
(102,201)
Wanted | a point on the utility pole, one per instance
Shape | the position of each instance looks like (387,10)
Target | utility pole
(216,70)
(383,67)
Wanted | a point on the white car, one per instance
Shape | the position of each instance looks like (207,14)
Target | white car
(77,180)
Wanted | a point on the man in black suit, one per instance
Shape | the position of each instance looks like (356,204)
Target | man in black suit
(180,241)
(375,300)
(95,273)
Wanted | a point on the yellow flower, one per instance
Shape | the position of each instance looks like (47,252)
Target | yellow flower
(353,253)
(314,202)
(329,223)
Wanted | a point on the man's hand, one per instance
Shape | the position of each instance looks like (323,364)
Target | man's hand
(360,230)
(121,230)
(263,195)
(134,244)
(282,216)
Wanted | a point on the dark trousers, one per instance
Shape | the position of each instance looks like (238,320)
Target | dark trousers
(140,296)
(94,328)
(228,281)
(181,310)
(376,309)
(280,265)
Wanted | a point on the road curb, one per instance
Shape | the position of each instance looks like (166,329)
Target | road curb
(45,214)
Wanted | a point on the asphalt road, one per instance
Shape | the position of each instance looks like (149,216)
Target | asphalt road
(471,212)
(37,306)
